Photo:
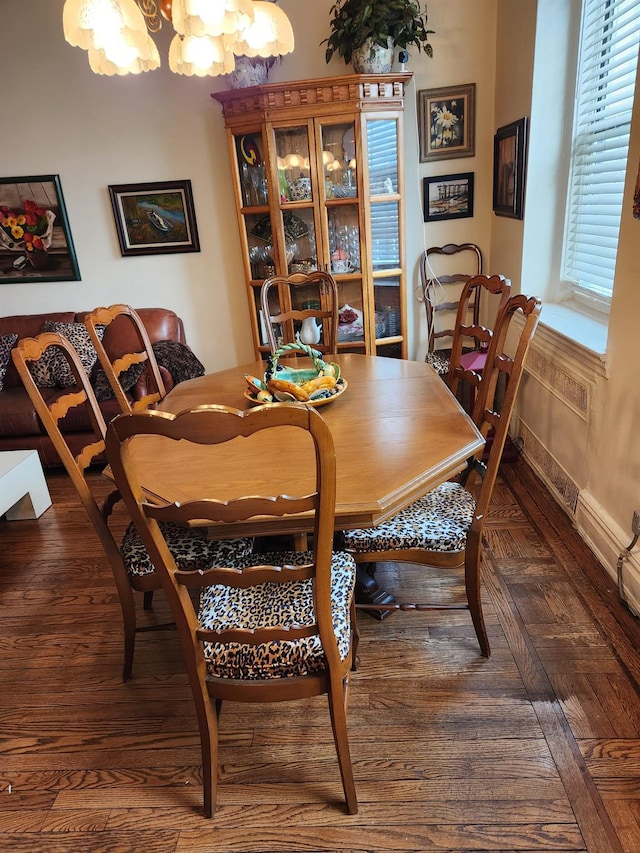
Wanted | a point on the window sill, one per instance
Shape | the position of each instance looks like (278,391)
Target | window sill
(568,320)
(567,334)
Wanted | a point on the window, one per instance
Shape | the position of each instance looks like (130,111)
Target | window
(607,64)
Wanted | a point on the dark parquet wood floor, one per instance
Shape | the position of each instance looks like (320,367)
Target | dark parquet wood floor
(537,749)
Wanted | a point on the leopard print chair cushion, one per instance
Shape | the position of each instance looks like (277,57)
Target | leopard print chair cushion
(439,359)
(271,604)
(439,521)
(191,550)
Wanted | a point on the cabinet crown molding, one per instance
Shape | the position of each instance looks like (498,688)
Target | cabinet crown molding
(363,91)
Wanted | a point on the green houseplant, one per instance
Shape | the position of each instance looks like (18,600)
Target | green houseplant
(358,23)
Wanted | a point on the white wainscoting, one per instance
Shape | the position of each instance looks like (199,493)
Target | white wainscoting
(565,377)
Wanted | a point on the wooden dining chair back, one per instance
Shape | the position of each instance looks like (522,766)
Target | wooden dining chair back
(115,365)
(471,339)
(305,304)
(130,564)
(444,528)
(443,272)
(273,626)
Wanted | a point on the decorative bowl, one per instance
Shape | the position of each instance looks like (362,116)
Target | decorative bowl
(315,386)
(342,386)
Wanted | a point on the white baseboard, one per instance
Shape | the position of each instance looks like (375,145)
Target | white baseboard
(608,541)
(605,538)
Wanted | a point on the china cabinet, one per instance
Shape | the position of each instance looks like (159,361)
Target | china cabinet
(318,180)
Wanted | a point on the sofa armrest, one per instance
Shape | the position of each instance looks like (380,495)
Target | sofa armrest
(141,389)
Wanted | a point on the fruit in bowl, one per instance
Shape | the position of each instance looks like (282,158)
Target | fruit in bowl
(314,385)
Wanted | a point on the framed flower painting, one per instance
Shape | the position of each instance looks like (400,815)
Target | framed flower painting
(446,122)
(35,238)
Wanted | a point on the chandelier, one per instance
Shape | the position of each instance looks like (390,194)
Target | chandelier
(209,33)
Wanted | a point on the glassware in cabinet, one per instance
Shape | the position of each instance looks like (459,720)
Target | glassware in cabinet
(252,170)
(344,239)
(339,160)
(293,164)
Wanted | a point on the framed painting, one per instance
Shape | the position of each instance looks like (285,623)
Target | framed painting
(448,197)
(446,122)
(35,238)
(155,218)
(509,169)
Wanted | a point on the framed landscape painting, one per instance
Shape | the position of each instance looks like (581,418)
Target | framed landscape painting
(446,122)
(35,238)
(155,218)
(448,197)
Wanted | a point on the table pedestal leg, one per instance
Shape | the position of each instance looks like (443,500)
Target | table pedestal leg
(368,592)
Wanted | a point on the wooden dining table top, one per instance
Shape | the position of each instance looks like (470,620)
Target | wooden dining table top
(397,429)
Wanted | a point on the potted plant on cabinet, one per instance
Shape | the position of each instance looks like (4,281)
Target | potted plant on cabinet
(360,29)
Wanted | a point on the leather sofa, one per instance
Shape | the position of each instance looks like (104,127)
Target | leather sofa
(20,427)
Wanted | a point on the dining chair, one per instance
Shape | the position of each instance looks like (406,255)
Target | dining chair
(132,568)
(471,340)
(304,304)
(141,359)
(268,627)
(444,528)
(443,272)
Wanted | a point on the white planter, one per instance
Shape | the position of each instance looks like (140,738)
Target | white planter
(372,58)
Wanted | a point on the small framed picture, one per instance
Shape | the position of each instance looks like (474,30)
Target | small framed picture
(446,122)
(448,197)
(155,218)
(35,238)
(509,169)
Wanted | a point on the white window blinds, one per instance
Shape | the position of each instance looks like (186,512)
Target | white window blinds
(608,61)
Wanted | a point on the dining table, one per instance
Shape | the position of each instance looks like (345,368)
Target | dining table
(397,429)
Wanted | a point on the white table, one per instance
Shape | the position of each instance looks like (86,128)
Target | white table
(23,488)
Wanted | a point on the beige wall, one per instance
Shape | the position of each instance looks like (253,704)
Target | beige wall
(614,464)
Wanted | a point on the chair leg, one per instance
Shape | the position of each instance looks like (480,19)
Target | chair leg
(128,607)
(129,649)
(147,599)
(207,714)
(355,634)
(338,711)
(474,599)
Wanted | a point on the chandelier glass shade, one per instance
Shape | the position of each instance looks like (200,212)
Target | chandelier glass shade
(209,33)
(270,34)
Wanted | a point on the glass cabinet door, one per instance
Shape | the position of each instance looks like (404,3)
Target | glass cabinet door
(253,177)
(297,195)
(385,238)
(343,221)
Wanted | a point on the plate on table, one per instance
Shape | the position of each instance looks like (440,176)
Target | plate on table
(342,387)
